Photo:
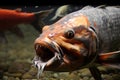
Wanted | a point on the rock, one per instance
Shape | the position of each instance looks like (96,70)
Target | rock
(55,75)
(107,77)
(73,76)
(17,78)
(34,79)
(92,78)
(85,73)
(103,69)
(11,78)
(86,78)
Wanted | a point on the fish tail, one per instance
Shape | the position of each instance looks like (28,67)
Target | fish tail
(38,23)
(3,38)
(111,59)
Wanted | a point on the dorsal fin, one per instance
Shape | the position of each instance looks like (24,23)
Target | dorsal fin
(87,7)
(101,6)
(40,16)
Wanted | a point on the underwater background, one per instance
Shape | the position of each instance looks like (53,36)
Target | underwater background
(16,57)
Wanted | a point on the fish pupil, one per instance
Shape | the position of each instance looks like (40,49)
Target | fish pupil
(69,34)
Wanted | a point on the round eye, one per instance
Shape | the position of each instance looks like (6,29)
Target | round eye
(69,34)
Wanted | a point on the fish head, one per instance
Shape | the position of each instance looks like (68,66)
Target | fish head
(65,45)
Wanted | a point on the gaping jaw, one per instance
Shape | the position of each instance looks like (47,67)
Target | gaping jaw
(48,53)
(49,56)
(52,57)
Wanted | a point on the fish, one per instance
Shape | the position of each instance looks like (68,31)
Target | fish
(61,12)
(87,38)
(10,19)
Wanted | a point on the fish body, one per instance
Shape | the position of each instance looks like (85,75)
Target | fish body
(106,23)
(9,19)
(82,39)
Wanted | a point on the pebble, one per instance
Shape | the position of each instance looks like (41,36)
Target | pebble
(17,78)
(85,73)
(107,77)
(34,79)
(5,77)
(55,75)
(11,78)
(92,78)
(86,78)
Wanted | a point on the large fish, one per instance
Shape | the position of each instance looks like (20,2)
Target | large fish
(9,19)
(85,38)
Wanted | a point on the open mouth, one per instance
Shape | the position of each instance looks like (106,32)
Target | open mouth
(47,54)
(47,51)
(44,53)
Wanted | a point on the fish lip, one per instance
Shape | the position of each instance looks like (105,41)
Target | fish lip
(57,54)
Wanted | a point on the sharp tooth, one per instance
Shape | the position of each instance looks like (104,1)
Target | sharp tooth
(37,47)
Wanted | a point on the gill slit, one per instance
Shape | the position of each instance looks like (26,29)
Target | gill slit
(97,45)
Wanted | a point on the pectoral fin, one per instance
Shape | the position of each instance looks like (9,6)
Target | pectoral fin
(111,59)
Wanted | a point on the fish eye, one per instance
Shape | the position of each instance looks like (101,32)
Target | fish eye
(69,34)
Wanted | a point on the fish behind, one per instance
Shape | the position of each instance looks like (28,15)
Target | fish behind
(9,19)
(61,12)
(86,38)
